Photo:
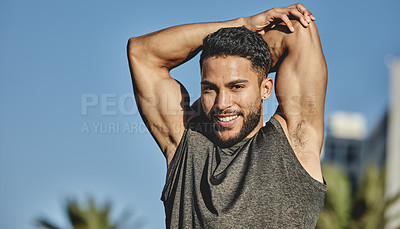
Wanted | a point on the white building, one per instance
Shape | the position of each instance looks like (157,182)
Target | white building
(393,145)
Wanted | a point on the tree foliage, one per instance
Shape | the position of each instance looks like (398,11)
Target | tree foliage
(364,209)
(90,216)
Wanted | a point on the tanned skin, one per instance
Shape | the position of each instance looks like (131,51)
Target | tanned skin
(300,85)
(300,81)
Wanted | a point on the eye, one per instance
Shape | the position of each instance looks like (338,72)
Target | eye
(207,89)
(237,87)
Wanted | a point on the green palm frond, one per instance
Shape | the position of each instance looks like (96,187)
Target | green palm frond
(336,212)
(90,216)
(44,223)
(366,210)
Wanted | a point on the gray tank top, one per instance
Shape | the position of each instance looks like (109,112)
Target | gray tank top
(258,183)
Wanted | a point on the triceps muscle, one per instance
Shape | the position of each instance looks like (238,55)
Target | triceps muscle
(300,88)
(165,111)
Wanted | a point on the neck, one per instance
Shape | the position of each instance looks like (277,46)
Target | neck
(257,128)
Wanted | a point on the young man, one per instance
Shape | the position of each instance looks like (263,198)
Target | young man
(225,168)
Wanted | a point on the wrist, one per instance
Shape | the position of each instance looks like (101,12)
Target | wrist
(276,41)
(241,21)
(238,22)
(248,23)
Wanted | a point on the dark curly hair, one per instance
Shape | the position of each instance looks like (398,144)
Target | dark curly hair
(239,41)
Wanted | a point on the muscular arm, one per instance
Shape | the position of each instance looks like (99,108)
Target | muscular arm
(162,101)
(300,88)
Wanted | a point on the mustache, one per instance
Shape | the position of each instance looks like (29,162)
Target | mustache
(226,111)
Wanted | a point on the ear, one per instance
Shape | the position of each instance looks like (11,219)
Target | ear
(266,88)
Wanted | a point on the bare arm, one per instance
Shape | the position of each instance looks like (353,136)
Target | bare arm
(162,101)
(300,88)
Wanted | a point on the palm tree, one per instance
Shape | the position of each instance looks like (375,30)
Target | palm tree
(370,203)
(337,209)
(91,216)
(365,210)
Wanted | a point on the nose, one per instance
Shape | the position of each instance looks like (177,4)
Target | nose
(223,100)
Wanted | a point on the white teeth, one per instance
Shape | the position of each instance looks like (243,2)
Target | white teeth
(227,119)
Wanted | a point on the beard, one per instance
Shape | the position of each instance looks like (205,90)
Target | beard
(249,123)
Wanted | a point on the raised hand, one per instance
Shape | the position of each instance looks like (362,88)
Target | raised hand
(267,19)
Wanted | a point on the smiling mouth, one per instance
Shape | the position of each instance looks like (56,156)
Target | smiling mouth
(226,121)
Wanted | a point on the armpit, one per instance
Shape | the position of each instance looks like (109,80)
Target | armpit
(299,136)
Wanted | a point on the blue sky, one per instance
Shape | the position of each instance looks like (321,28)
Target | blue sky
(58,57)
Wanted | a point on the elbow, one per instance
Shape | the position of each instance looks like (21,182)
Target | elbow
(305,39)
(306,34)
(138,51)
(133,50)
(131,47)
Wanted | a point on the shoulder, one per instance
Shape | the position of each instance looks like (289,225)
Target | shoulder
(196,131)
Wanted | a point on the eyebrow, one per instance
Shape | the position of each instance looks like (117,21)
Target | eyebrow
(236,82)
(206,82)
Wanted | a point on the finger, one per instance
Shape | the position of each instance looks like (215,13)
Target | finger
(309,15)
(304,11)
(300,16)
(300,8)
(261,32)
(288,23)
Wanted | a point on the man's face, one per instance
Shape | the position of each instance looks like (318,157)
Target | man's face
(231,97)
